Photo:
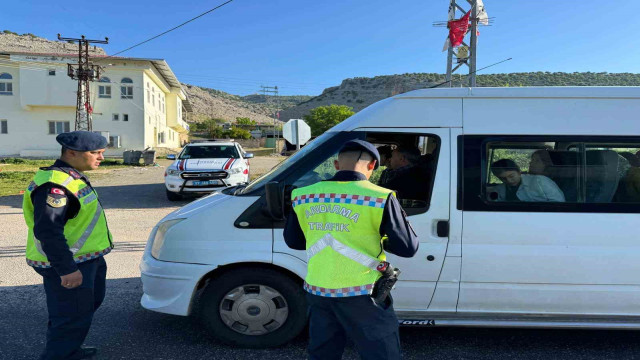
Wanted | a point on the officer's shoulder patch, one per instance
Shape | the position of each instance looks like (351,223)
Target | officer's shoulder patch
(56,201)
(57,191)
(74,174)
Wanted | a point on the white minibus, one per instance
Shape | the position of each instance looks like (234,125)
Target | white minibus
(527,216)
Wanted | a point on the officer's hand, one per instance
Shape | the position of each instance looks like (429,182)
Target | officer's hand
(72,280)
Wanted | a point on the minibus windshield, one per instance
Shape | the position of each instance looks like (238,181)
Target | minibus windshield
(284,165)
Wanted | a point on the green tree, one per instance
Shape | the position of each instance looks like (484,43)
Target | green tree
(245,121)
(237,133)
(324,118)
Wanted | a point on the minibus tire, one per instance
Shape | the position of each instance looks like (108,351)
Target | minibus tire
(173,196)
(210,305)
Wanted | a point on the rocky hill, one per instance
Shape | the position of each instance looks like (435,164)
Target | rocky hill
(359,93)
(210,103)
(10,41)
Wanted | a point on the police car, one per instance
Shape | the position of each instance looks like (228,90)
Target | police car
(206,166)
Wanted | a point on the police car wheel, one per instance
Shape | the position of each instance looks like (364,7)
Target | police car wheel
(173,196)
(254,308)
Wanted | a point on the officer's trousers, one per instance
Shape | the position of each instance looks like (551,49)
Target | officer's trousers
(373,330)
(71,310)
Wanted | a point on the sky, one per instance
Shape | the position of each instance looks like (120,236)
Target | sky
(306,46)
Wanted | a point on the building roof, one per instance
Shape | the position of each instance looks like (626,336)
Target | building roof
(160,64)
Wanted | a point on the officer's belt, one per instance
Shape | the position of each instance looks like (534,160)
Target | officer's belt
(342,249)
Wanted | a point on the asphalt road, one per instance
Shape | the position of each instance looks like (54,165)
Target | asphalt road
(134,201)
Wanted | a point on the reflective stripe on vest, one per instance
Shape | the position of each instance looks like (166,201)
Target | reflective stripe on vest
(340,199)
(83,239)
(341,292)
(344,250)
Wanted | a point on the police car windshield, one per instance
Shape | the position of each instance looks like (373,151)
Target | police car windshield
(209,152)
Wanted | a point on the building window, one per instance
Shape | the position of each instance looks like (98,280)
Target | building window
(153,99)
(126,90)
(59,127)
(6,85)
(52,72)
(149,119)
(125,117)
(161,138)
(115,117)
(4,127)
(104,91)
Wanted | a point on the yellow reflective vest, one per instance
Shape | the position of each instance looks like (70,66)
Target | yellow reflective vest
(87,234)
(341,223)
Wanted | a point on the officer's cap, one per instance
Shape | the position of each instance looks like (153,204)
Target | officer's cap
(82,140)
(361,145)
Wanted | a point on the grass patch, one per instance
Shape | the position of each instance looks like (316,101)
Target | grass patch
(12,182)
(260,151)
(17,173)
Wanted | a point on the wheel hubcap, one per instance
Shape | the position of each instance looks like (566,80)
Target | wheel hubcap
(254,309)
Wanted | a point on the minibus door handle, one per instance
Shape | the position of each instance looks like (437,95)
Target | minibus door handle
(442,228)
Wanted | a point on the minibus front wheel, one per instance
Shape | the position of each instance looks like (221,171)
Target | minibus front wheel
(254,308)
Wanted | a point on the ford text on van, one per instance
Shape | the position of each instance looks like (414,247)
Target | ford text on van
(527,216)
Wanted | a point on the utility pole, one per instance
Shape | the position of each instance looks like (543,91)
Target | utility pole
(84,72)
(274,91)
(467,53)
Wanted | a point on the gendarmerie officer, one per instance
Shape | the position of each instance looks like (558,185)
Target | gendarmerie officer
(345,224)
(67,239)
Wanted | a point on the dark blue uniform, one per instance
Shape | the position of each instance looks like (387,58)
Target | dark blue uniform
(373,329)
(70,310)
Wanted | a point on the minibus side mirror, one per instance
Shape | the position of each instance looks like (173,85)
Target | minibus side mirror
(275,200)
(171,156)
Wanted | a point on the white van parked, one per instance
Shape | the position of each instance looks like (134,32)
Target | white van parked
(556,248)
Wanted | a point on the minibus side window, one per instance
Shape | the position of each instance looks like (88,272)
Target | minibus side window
(550,173)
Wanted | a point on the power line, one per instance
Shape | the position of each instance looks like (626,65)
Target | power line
(473,73)
(170,30)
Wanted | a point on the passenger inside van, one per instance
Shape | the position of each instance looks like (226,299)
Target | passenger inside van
(517,186)
(407,178)
(540,163)
(385,156)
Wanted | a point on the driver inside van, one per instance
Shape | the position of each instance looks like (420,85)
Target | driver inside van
(517,186)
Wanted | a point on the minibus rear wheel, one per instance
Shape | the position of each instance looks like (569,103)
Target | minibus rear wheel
(254,308)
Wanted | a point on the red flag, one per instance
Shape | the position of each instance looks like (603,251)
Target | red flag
(458,29)
(88,107)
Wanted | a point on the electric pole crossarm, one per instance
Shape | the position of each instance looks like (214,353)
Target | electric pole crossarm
(84,72)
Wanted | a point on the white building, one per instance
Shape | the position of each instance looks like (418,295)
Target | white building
(138,103)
